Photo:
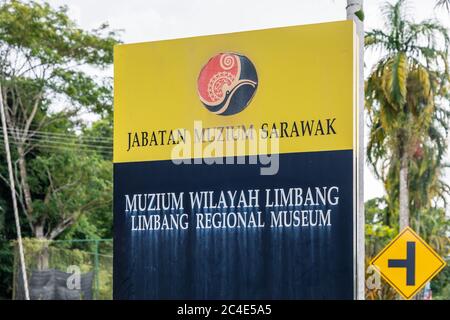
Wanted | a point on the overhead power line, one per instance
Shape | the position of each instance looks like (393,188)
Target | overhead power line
(59,147)
(39,145)
(59,134)
(64,142)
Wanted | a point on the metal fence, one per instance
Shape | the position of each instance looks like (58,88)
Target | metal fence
(65,269)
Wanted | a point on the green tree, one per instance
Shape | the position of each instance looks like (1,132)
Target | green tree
(6,252)
(443,3)
(379,232)
(48,78)
(408,119)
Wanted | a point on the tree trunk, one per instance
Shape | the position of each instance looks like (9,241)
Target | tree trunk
(404,192)
(353,8)
(24,180)
(43,256)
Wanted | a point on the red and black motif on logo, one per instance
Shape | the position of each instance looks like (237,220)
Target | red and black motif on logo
(227,83)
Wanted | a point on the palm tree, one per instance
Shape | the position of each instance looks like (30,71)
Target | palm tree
(443,3)
(404,98)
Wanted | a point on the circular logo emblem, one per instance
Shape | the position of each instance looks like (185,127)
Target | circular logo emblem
(227,83)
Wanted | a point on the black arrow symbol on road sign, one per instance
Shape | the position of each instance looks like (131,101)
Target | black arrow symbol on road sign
(409,263)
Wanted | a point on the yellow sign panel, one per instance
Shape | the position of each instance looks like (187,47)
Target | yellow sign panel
(408,263)
(305,91)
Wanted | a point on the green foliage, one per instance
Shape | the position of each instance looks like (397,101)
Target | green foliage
(360,15)
(6,250)
(49,77)
(62,196)
(50,49)
(443,3)
(406,96)
(440,286)
(50,35)
(44,57)
(6,269)
(378,233)
(434,226)
(101,133)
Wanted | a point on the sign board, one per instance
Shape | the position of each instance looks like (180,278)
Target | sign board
(234,165)
(408,263)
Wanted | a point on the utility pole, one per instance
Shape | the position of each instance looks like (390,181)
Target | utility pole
(13,195)
(355,13)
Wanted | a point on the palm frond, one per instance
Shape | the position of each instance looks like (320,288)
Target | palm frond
(395,79)
(443,3)
(376,38)
(406,100)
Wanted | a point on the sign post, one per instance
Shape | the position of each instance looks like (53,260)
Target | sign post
(235,165)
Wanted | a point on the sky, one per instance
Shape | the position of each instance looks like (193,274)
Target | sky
(150,20)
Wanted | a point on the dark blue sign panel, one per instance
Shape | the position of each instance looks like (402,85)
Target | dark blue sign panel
(301,252)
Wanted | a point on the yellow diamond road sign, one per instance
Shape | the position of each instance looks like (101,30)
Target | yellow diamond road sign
(408,263)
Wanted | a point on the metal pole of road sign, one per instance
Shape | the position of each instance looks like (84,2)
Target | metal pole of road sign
(13,195)
(355,13)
